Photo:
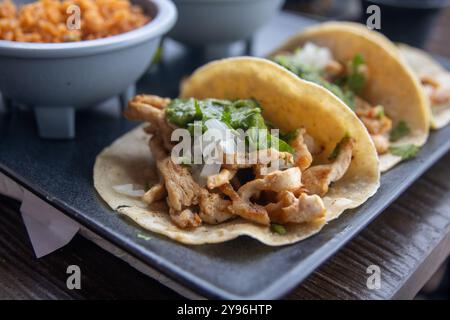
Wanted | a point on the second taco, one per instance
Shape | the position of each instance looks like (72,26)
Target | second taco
(363,69)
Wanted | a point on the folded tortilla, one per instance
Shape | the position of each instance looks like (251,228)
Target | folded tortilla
(391,82)
(424,64)
(288,103)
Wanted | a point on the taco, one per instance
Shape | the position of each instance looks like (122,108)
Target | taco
(326,160)
(435,80)
(364,70)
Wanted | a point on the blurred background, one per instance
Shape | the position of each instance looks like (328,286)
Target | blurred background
(422,23)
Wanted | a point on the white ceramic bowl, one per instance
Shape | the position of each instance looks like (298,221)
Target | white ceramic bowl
(205,22)
(55,79)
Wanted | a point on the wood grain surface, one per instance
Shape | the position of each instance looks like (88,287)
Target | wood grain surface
(408,242)
(104,276)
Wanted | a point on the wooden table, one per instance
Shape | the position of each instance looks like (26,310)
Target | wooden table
(408,242)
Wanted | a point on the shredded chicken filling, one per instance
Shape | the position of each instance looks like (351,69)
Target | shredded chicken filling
(437,93)
(290,195)
(347,81)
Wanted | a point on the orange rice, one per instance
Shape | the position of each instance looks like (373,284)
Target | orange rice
(46,20)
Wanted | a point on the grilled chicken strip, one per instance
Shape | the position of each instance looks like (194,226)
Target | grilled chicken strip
(151,109)
(182,191)
(245,209)
(377,125)
(305,208)
(185,219)
(437,92)
(289,179)
(219,179)
(277,181)
(303,157)
(155,193)
(439,96)
(152,100)
(157,149)
(381,143)
(213,208)
(375,122)
(317,179)
(333,69)
(313,147)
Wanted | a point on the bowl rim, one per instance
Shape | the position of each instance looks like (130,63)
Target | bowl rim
(163,21)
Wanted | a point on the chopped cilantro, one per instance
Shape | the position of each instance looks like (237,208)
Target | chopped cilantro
(406,151)
(337,149)
(238,114)
(278,228)
(355,80)
(142,236)
(257,139)
(399,131)
(182,111)
(282,145)
(316,76)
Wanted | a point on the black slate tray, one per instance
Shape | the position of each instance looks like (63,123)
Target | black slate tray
(60,172)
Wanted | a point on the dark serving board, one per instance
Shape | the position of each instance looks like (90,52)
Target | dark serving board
(60,172)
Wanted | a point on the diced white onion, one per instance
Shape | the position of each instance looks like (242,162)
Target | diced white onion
(313,56)
(128,190)
(216,124)
(227,145)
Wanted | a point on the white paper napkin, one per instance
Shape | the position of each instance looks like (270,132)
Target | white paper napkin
(48,228)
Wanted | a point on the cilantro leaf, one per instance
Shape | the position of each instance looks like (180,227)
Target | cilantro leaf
(143,236)
(256,138)
(406,151)
(246,114)
(182,111)
(282,145)
(356,79)
(399,131)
